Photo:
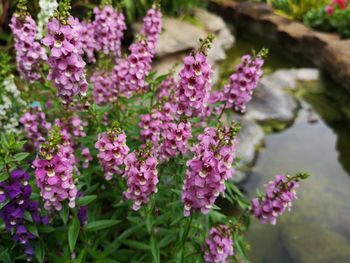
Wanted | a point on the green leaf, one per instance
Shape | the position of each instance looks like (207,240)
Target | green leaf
(27,216)
(4,203)
(155,249)
(4,176)
(64,213)
(101,224)
(32,229)
(46,229)
(73,233)
(85,200)
(21,156)
(136,244)
(5,256)
(39,251)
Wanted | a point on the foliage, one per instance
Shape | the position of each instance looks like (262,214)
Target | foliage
(295,9)
(338,21)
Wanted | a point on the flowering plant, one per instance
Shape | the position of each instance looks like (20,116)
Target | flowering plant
(129,167)
(333,17)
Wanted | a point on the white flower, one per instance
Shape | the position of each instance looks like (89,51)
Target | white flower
(47,8)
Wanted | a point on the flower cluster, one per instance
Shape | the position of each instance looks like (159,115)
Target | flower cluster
(242,83)
(141,175)
(54,168)
(29,52)
(88,45)
(130,74)
(166,89)
(16,191)
(278,197)
(194,85)
(66,64)
(109,26)
(152,25)
(103,88)
(35,125)
(151,126)
(47,9)
(10,101)
(210,167)
(335,4)
(219,245)
(112,151)
(87,157)
(175,139)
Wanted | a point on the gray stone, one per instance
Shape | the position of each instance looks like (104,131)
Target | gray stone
(210,21)
(282,78)
(164,64)
(271,104)
(177,36)
(225,38)
(308,74)
(249,139)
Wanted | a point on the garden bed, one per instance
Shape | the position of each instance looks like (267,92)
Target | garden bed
(325,50)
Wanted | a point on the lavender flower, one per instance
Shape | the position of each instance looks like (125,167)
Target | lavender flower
(243,82)
(87,158)
(66,64)
(109,26)
(112,151)
(103,91)
(219,245)
(29,53)
(35,125)
(152,25)
(141,175)
(87,42)
(210,167)
(278,198)
(54,168)
(194,84)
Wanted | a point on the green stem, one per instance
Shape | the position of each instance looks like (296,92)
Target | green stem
(187,231)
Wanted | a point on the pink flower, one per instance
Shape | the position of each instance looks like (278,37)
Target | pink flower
(208,170)
(175,139)
(219,245)
(87,41)
(141,175)
(329,10)
(112,151)
(29,52)
(103,91)
(87,158)
(35,125)
(66,64)
(152,25)
(54,176)
(194,85)
(129,75)
(242,83)
(109,27)
(278,197)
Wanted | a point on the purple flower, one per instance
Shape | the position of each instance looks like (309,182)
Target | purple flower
(166,89)
(242,83)
(66,64)
(88,42)
(129,75)
(194,85)
(112,150)
(35,125)
(152,25)
(219,245)
(103,91)
(109,27)
(17,191)
(141,175)
(54,176)
(278,197)
(87,158)
(208,170)
(29,53)
(175,139)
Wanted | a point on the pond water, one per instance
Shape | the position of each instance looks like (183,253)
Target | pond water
(318,229)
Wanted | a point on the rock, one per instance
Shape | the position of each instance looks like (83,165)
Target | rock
(308,74)
(309,244)
(210,21)
(271,104)
(178,35)
(282,78)
(165,64)
(249,139)
(225,38)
